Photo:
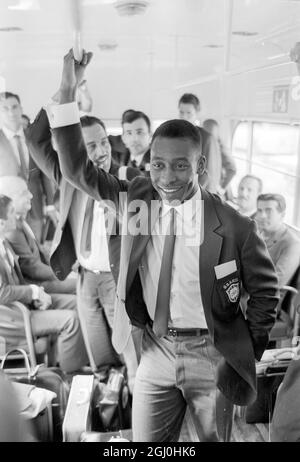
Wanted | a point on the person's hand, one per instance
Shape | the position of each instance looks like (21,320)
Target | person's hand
(44,301)
(72,74)
(295,53)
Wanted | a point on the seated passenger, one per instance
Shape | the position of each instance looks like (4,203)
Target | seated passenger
(33,262)
(62,323)
(281,241)
(249,188)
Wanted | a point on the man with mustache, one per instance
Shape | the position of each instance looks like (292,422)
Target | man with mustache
(81,235)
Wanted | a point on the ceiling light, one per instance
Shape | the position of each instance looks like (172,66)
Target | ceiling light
(10,29)
(131,7)
(213,45)
(25,5)
(107,45)
(244,33)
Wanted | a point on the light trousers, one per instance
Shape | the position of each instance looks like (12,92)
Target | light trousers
(175,372)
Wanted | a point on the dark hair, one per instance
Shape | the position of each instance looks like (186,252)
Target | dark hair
(4,202)
(253,177)
(89,121)
(178,128)
(8,94)
(278,198)
(126,114)
(131,116)
(189,98)
(24,116)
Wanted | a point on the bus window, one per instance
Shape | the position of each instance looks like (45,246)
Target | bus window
(269,151)
(275,159)
(276,146)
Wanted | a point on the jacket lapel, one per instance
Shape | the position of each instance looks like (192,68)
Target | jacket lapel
(210,251)
(140,241)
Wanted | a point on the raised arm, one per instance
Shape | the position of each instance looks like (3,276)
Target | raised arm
(41,149)
(75,165)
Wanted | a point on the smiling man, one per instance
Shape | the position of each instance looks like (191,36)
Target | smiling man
(81,235)
(184,297)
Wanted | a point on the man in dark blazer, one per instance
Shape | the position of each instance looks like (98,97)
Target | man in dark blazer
(49,315)
(15,159)
(96,286)
(195,335)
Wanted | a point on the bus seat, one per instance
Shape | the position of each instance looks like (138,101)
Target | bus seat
(287,323)
(15,320)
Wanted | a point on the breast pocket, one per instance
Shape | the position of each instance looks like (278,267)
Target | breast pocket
(229,291)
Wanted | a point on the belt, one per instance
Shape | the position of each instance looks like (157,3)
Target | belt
(173,332)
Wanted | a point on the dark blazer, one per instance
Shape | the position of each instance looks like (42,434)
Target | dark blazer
(144,165)
(32,261)
(227,236)
(9,290)
(39,185)
(63,254)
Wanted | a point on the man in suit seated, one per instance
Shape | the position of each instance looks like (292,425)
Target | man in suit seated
(33,262)
(184,257)
(49,315)
(249,188)
(82,234)
(15,159)
(282,241)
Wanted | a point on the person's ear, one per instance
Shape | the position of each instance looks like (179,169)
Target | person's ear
(201,165)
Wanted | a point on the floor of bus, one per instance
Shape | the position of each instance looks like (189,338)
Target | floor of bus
(241,432)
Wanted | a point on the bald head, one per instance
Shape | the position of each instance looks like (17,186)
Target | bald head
(16,188)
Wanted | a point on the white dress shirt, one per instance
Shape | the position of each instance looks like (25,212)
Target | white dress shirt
(186,307)
(99,258)
(10,136)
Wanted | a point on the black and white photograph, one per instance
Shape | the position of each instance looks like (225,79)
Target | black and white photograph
(149,224)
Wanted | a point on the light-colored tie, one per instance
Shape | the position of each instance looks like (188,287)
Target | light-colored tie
(162,310)
(24,169)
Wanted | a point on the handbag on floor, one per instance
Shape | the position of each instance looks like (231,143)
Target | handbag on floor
(50,378)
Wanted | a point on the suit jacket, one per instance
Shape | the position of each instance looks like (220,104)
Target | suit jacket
(63,253)
(9,291)
(227,236)
(10,316)
(41,188)
(32,260)
(285,253)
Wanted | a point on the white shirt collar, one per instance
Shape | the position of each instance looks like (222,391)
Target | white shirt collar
(188,208)
(138,159)
(10,134)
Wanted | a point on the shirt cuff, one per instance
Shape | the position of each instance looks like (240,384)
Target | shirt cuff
(61,115)
(35,291)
